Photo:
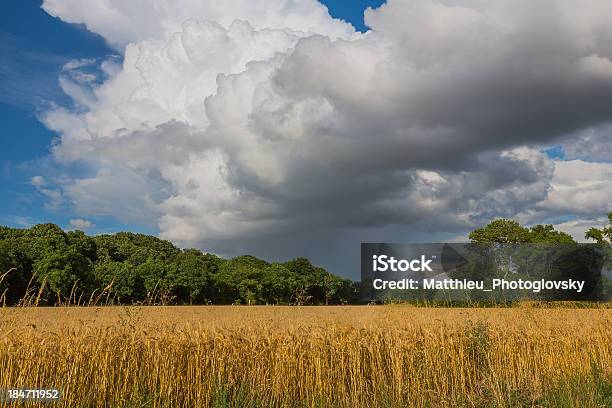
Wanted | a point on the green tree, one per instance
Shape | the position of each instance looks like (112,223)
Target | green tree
(126,286)
(500,231)
(17,271)
(61,269)
(506,248)
(191,276)
(278,284)
(58,260)
(546,234)
(603,235)
(300,266)
(134,266)
(238,280)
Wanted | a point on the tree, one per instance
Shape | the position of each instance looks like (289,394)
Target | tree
(19,268)
(603,235)
(135,268)
(278,284)
(238,280)
(300,266)
(190,277)
(504,231)
(121,275)
(61,270)
(500,231)
(546,234)
(85,245)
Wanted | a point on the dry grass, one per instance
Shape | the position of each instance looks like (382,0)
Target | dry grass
(310,357)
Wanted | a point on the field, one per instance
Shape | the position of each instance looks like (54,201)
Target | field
(349,356)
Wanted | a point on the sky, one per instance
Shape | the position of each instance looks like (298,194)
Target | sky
(281,128)
(34,47)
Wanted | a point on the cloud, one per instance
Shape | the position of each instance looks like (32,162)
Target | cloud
(237,130)
(591,144)
(122,23)
(54,195)
(121,193)
(38,181)
(580,187)
(577,228)
(81,224)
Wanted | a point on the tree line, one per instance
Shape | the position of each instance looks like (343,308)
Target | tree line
(504,248)
(57,267)
(52,266)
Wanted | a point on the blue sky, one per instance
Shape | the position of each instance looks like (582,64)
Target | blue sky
(34,47)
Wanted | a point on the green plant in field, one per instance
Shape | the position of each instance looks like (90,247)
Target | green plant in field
(478,345)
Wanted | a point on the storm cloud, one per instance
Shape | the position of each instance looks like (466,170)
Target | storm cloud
(280,131)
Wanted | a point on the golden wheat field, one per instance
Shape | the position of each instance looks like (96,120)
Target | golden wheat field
(347,356)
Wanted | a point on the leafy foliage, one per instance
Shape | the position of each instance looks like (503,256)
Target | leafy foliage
(505,231)
(603,235)
(134,268)
(515,252)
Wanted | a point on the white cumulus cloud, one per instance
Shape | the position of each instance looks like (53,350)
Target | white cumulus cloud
(81,224)
(124,22)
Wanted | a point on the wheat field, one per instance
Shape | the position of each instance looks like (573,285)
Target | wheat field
(347,356)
